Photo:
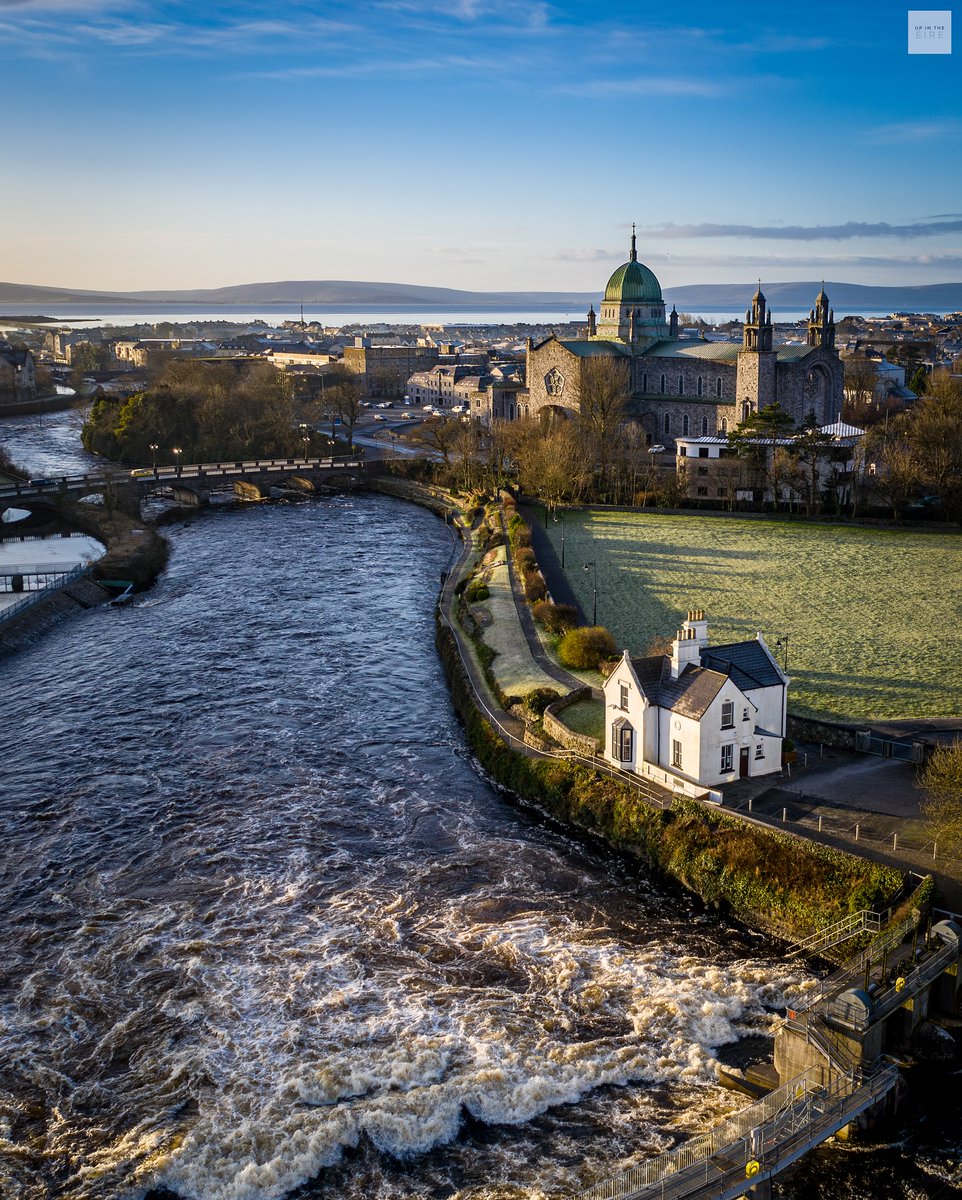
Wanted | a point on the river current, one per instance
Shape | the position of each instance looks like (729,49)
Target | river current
(269,932)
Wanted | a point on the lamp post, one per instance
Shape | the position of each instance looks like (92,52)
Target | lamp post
(593,567)
(307,441)
(153,455)
(176,452)
(782,642)
(560,516)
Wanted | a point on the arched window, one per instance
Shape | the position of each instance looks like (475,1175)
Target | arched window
(724,427)
(701,385)
(644,382)
(667,422)
(704,427)
(718,389)
(684,425)
(664,382)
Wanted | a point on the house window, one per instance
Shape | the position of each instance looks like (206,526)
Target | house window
(703,452)
(702,470)
(703,491)
(760,750)
(675,753)
(664,383)
(728,714)
(684,425)
(745,716)
(667,422)
(624,695)
(727,758)
(622,736)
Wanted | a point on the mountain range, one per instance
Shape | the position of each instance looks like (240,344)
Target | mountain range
(934,297)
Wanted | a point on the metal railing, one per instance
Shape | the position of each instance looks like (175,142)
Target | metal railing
(29,599)
(848,927)
(808,1113)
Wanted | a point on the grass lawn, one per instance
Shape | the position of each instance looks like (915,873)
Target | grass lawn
(872,615)
(587,716)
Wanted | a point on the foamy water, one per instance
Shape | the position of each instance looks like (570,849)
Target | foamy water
(270,933)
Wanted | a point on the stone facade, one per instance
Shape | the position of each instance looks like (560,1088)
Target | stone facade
(684,386)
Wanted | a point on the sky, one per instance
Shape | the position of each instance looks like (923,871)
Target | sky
(478,144)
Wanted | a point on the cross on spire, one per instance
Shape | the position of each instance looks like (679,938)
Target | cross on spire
(634,252)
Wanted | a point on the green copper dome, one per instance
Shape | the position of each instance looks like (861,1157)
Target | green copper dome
(633,281)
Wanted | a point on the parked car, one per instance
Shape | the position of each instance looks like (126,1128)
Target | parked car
(408,416)
(380,417)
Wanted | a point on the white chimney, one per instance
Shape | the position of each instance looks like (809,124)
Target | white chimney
(697,622)
(685,652)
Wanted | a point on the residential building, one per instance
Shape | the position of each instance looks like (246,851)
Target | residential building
(700,716)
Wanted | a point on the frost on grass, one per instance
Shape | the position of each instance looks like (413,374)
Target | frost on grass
(871,615)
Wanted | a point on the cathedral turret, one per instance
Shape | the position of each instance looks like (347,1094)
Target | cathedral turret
(821,323)
(673,323)
(758,324)
(633,309)
(592,324)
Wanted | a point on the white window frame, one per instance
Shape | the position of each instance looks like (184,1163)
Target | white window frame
(728,758)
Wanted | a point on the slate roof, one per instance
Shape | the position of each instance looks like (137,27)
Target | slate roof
(592,349)
(722,352)
(747,663)
(690,695)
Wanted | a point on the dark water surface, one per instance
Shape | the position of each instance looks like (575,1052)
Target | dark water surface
(269,933)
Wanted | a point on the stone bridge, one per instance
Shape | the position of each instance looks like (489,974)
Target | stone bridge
(191,483)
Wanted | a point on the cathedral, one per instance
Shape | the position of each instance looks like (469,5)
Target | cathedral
(685,386)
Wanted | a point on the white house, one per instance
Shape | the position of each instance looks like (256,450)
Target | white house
(699,716)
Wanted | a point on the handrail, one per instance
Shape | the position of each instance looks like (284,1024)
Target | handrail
(864,921)
(30,598)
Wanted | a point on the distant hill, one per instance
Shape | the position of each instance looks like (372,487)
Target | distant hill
(931,297)
(935,297)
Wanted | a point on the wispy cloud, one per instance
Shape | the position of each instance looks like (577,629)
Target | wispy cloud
(934,129)
(585,255)
(642,85)
(808,233)
(777,261)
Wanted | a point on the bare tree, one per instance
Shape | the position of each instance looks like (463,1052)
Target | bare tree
(604,392)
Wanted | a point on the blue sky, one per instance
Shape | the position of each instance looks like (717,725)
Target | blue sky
(484,144)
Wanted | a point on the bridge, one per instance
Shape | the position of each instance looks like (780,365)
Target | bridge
(189,483)
(832,1059)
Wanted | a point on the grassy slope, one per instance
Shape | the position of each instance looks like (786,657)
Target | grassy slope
(871,614)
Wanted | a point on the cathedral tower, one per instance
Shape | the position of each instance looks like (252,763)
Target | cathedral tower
(755,385)
(821,323)
(633,309)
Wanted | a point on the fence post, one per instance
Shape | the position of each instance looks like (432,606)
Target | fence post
(784,812)
(819,822)
(935,846)
(749,804)
(856,833)
(895,841)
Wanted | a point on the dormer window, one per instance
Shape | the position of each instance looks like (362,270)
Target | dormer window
(624,695)
(728,714)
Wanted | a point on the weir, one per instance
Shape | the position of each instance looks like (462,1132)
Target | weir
(833,1062)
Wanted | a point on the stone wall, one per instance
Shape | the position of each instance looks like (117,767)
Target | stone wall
(810,729)
(581,743)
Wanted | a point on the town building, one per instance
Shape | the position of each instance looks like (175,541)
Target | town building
(385,370)
(679,385)
(18,376)
(699,716)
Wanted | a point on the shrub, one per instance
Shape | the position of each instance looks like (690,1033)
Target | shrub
(556,618)
(583,648)
(534,585)
(538,700)
(525,559)
(476,591)
(518,532)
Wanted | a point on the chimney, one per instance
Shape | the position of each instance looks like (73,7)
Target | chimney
(685,652)
(697,622)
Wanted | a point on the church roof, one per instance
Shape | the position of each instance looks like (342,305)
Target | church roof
(721,352)
(597,348)
(633,281)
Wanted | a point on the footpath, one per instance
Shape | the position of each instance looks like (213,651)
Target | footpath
(863,804)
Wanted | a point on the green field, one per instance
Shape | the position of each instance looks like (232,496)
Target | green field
(872,616)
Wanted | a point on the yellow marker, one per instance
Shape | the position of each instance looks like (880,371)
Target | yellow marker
(752,1168)
(899,983)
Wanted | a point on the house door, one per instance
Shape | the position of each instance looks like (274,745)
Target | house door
(743,762)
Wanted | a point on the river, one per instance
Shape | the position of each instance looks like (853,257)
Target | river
(270,933)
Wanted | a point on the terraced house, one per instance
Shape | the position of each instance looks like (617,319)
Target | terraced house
(685,386)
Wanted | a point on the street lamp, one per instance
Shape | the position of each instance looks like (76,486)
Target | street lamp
(307,441)
(559,515)
(782,643)
(176,451)
(593,567)
(153,455)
